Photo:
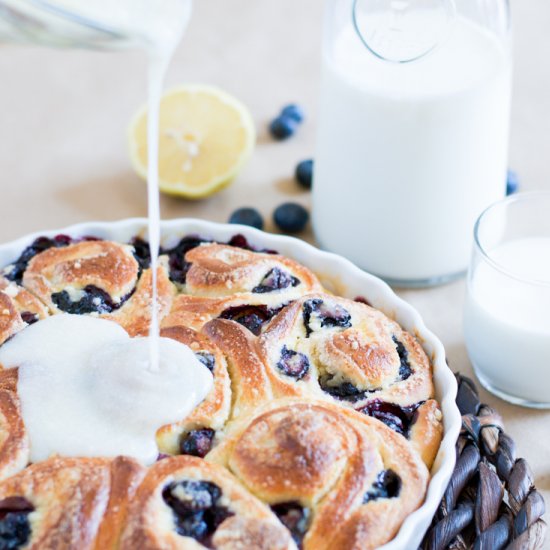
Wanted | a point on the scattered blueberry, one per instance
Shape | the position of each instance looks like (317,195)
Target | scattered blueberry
(247,216)
(304,173)
(282,127)
(294,517)
(386,485)
(512,183)
(293,363)
(276,279)
(197,442)
(293,111)
(291,217)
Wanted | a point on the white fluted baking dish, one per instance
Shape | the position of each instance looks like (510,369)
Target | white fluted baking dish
(344,278)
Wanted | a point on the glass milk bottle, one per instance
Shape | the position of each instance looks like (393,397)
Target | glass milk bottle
(413,132)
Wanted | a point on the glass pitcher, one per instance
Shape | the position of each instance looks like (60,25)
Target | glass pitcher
(413,132)
(96,24)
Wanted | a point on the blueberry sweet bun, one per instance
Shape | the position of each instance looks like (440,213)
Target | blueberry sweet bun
(337,479)
(68,503)
(251,311)
(218,270)
(349,353)
(186,503)
(195,434)
(18,309)
(228,282)
(100,278)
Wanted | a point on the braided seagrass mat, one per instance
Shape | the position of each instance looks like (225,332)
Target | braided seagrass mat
(491,502)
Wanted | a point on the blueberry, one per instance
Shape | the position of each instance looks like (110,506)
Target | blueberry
(207,359)
(293,111)
(386,485)
(176,257)
(294,517)
(282,127)
(398,418)
(512,183)
(29,317)
(142,253)
(94,300)
(195,506)
(330,315)
(291,217)
(304,173)
(276,279)
(251,317)
(345,391)
(405,369)
(247,216)
(293,363)
(197,442)
(15,528)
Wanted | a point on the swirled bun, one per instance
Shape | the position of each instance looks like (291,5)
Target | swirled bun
(187,503)
(338,479)
(348,353)
(68,503)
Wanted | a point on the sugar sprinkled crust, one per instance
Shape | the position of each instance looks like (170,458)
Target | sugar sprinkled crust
(317,431)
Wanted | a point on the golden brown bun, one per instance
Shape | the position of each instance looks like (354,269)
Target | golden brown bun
(213,412)
(348,353)
(106,265)
(333,464)
(76,503)
(18,308)
(250,385)
(110,267)
(188,483)
(219,270)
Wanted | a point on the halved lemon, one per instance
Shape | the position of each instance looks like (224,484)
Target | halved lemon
(205,137)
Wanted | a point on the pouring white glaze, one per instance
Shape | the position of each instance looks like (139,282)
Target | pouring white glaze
(87,388)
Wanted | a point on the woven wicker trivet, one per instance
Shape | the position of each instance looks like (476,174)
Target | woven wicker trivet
(491,501)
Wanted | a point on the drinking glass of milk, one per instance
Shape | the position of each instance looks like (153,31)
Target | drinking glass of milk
(506,319)
(413,132)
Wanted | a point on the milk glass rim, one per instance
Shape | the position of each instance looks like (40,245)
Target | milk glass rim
(520,197)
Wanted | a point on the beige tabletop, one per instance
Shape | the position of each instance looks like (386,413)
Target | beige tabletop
(64,115)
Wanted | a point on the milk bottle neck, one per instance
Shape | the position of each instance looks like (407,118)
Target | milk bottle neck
(403,31)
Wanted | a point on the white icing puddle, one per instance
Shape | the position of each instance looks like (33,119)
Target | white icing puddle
(87,388)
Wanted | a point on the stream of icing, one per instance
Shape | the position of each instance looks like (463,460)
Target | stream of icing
(160,49)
